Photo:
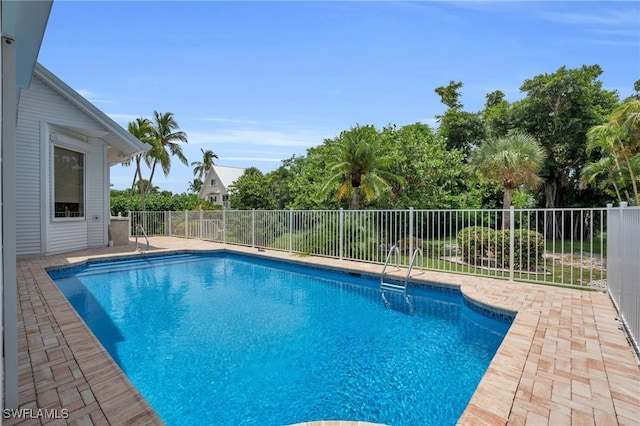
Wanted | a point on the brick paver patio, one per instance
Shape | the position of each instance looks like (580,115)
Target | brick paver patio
(566,359)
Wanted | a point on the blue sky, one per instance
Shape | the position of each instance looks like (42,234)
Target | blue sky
(257,82)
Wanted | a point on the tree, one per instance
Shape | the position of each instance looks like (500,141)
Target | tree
(432,174)
(619,141)
(141,129)
(166,135)
(604,174)
(251,191)
(359,166)
(514,160)
(558,110)
(462,130)
(202,167)
(195,185)
(496,115)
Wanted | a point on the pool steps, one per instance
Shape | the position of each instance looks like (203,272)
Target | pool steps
(386,285)
(97,267)
(399,286)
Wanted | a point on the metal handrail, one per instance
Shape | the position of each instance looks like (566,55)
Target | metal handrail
(139,227)
(413,258)
(393,249)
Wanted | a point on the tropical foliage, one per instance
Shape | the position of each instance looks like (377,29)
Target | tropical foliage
(202,167)
(167,136)
(588,154)
(360,166)
(513,161)
(251,191)
(122,201)
(618,142)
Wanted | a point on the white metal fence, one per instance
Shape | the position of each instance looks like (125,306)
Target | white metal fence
(594,248)
(560,246)
(623,247)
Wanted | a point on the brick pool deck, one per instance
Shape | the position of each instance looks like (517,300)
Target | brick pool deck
(565,360)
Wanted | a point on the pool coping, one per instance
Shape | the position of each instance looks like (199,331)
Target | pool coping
(565,358)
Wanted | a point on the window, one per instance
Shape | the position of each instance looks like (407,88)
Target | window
(213,182)
(213,199)
(68,189)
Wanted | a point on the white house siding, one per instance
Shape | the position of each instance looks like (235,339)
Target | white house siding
(40,110)
(97,202)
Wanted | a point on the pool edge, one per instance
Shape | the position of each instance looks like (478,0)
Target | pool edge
(536,325)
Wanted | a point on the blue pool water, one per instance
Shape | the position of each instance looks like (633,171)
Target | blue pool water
(225,339)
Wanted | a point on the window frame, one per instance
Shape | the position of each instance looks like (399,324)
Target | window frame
(73,148)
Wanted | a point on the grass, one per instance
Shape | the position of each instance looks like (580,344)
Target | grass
(563,269)
(596,246)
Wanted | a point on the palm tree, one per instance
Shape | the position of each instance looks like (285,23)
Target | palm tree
(195,185)
(202,167)
(513,161)
(359,166)
(141,129)
(607,173)
(166,136)
(619,139)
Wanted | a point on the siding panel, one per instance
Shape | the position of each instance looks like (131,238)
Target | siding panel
(95,209)
(41,104)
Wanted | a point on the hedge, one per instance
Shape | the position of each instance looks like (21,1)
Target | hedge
(480,245)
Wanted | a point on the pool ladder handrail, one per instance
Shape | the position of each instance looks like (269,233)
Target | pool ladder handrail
(413,258)
(391,286)
(140,228)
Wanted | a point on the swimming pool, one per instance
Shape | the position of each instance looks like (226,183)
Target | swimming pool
(228,339)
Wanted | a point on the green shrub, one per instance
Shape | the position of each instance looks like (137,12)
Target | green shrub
(479,245)
(474,243)
(528,249)
(122,202)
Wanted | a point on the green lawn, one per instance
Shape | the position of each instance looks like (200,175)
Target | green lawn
(598,245)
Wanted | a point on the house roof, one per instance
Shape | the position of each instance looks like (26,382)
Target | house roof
(124,143)
(228,175)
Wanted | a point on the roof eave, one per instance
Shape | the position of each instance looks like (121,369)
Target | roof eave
(135,145)
(25,22)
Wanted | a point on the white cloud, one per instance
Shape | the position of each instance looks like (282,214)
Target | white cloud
(238,121)
(256,159)
(92,97)
(259,137)
(259,152)
(123,118)
(597,17)
(430,121)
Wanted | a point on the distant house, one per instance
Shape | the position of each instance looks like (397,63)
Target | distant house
(215,187)
(65,147)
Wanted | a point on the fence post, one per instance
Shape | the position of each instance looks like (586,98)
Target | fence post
(253,227)
(167,221)
(341,239)
(186,223)
(224,225)
(201,223)
(621,263)
(130,223)
(290,230)
(410,232)
(512,245)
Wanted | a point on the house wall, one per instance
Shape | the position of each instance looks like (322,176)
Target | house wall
(217,190)
(41,114)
